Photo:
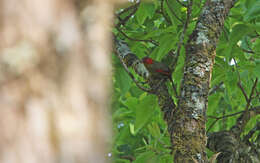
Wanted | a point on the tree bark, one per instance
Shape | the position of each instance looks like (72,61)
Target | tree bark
(188,132)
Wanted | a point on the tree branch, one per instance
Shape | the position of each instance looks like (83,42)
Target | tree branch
(242,121)
(240,82)
(123,21)
(189,120)
(132,76)
(251,133)
(127,9)
(215,88)
(165,100)
(134,39)
(255,110)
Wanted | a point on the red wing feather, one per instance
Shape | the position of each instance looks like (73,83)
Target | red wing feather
(163,72)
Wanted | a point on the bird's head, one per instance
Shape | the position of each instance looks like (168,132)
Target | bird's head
(147,60)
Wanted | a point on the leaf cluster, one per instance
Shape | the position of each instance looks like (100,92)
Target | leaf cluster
(154,29)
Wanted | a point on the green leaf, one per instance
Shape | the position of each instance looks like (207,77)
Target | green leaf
(132,128)
(213,103)
(123,136)
(167,42)
(231,83)
(154,130)
(145,157)
(173,7)
(122,161)
(123,81)
(217,79)
(248,3)
(253,11)
(141,14)
(131,103)
(256,46)
(257,69)
(237,14)
(178,72)
(238,31)
(156,3)
(121,113)
(165,158)
(252,123)
(138,48)
(137,118)
(144,111)
(144,11)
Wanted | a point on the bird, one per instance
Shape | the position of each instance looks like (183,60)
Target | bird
(157,69)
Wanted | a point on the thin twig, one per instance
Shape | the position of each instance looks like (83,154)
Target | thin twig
(181,3)
(212,124)
(252,91)
(175,90)
(185,26)
(257,108)
(226,116)
(248,51)
(257,35)
(248,46)
(244,118)
(239,81)
(123,21)
(176,16)
(243,90)
(127,9)
(162,12)
(133,78)
(214,89)
(134,39)
(128,157)
(251,133)
(257,94)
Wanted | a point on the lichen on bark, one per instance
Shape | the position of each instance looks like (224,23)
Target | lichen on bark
(189,139)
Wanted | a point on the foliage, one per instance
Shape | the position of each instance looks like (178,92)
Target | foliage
(140,134)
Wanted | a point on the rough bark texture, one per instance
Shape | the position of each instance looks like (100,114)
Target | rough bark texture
(232,146)
(55,79)
(188,132)
(186,126)
(157,86)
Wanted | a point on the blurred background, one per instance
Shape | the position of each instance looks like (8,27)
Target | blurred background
(55,80)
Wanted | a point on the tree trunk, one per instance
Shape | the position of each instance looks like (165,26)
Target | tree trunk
(55,80)
(188,132)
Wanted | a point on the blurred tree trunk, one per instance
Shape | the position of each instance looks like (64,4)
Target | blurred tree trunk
(55,75)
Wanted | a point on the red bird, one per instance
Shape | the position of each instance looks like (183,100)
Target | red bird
(157,69)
